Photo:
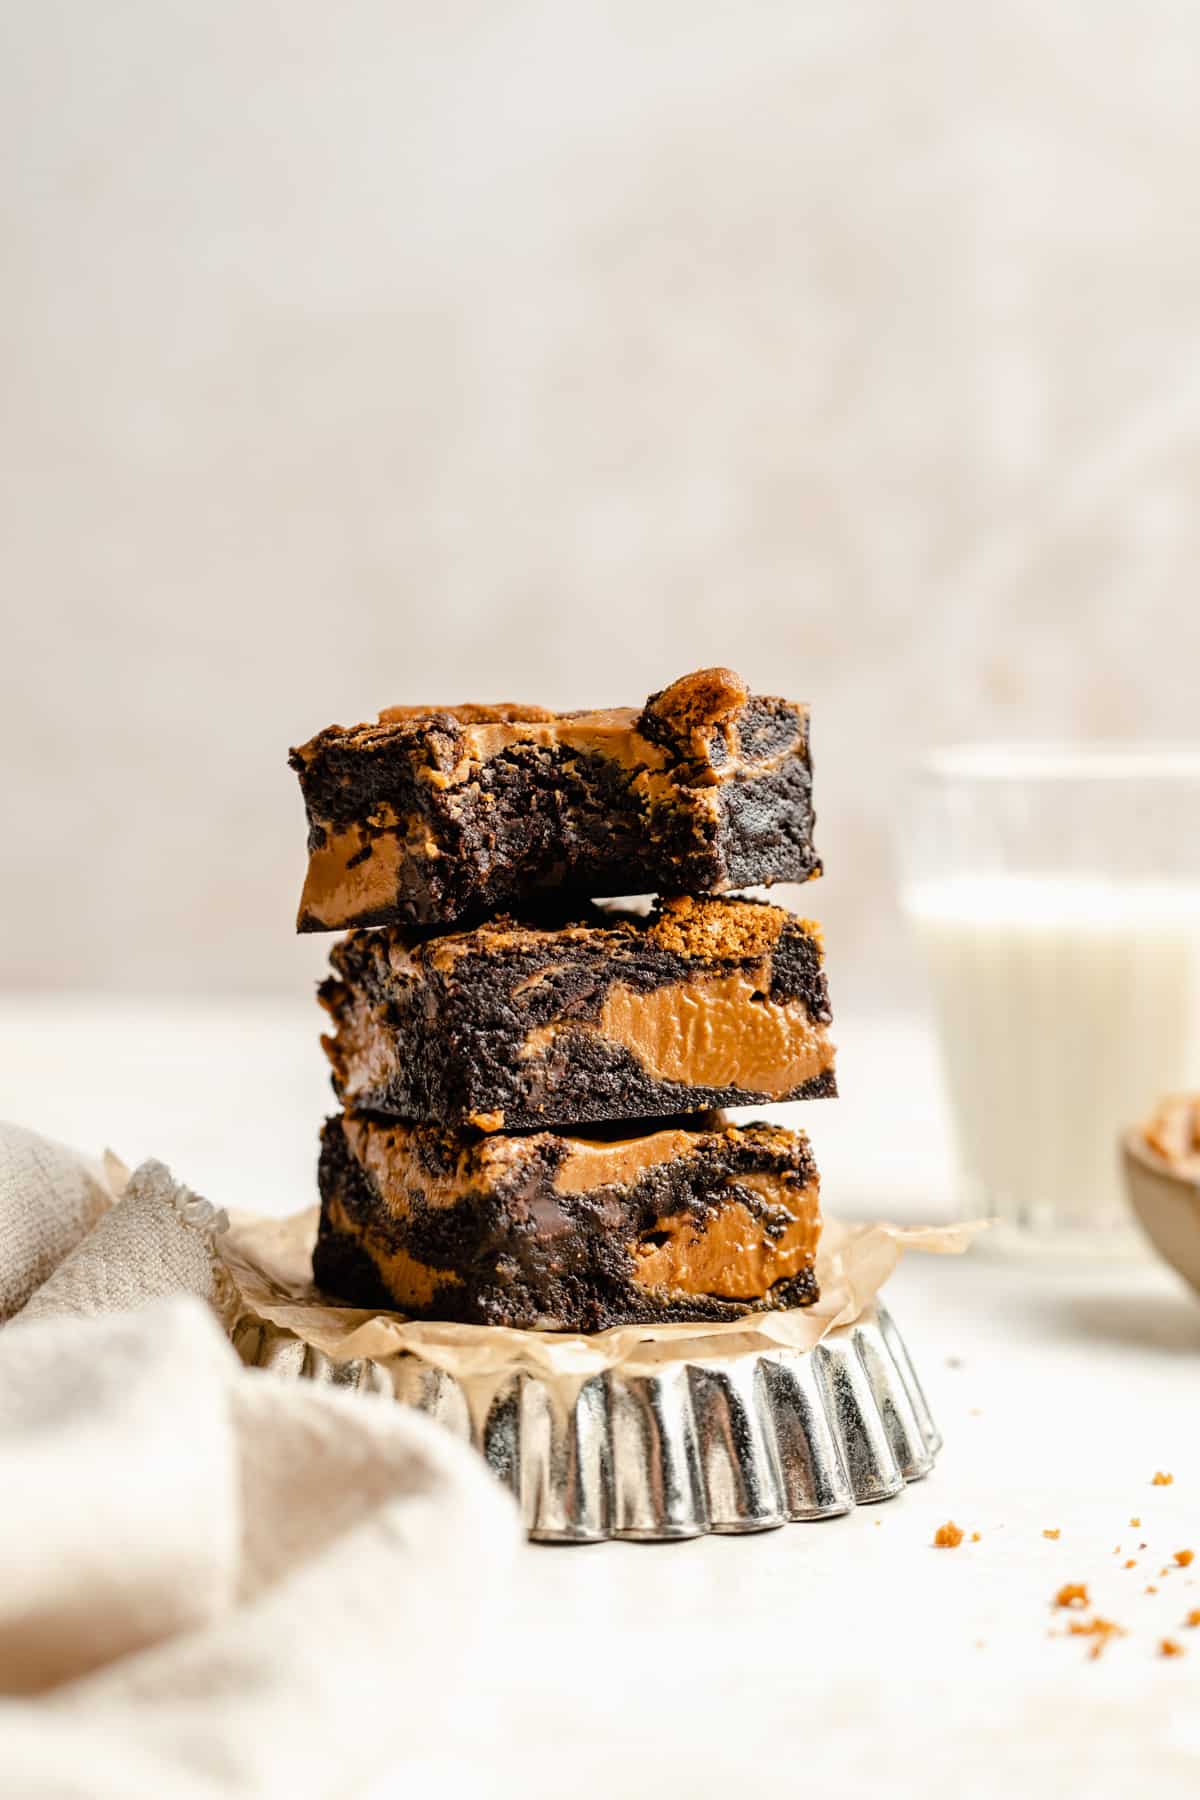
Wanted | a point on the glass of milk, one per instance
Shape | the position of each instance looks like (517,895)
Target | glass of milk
(1055,893)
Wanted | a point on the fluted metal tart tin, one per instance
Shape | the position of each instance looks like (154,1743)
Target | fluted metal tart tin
(737,1442)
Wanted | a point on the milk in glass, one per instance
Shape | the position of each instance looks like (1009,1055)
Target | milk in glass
(1067,1005)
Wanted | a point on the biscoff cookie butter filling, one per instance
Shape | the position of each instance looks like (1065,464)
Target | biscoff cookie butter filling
(733,1253)
(718,1033)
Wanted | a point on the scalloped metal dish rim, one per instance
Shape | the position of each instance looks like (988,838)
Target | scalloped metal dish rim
(732,1443)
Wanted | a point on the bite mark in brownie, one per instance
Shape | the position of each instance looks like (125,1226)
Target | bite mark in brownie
(440,816)
(702,1003)
(690,1220)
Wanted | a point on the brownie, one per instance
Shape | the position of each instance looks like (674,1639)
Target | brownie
(442,816)
(607,1016)
(689,1220)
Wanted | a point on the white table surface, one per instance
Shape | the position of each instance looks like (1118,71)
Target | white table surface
(848,1653)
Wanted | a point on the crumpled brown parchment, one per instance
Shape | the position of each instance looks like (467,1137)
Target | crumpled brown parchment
(270,1261)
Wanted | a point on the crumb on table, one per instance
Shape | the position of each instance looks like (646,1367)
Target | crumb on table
(1056,1532)
(1072,1593)
(1132,1563)
(1161,1479)
(948,1536)
(1135,1523)
(1185,1557)
(1193,1618)
(1102,1630)
(1169,1647)
(1152,1589)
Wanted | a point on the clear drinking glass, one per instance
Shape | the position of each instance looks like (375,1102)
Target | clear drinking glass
(1055,893)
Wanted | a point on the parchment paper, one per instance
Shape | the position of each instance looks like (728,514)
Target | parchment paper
(270,1261)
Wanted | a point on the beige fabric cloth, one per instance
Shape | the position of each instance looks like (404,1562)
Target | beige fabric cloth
(215,1582)
(49,1199)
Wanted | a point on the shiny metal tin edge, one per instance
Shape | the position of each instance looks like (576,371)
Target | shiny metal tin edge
(735,1443)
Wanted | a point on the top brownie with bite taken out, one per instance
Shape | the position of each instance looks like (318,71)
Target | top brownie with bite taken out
(441,816)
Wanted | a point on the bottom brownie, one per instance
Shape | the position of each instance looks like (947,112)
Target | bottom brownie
(691,1219)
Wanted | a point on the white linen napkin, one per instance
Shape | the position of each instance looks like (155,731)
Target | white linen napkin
(213,1581)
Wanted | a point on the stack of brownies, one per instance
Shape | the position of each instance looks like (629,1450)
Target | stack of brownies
(527,1079)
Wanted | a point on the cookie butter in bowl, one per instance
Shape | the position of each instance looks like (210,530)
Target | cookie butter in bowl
(1162,1169)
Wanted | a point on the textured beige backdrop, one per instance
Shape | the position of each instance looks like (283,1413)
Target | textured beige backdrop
(375,352)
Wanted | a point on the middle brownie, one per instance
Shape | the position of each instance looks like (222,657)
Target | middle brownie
(703,1003)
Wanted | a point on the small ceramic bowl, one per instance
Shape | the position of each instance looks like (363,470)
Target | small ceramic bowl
(1164,1190)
